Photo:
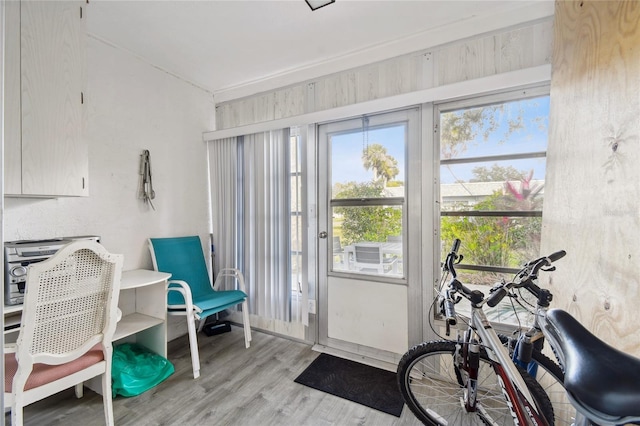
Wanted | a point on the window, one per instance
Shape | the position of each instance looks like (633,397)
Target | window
(367,194)
(492,175)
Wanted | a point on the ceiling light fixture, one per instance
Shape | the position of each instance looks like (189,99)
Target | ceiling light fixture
(317,4)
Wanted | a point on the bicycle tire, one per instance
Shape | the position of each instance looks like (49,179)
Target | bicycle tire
(431,387)
(552,381)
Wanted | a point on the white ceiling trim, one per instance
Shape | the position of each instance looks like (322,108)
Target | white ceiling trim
(433,37)
(521,78)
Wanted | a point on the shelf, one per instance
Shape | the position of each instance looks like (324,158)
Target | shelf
(134,323)
(12,324)
(141,277)
(12,309)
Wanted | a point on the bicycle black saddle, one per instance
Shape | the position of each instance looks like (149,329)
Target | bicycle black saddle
(597,375)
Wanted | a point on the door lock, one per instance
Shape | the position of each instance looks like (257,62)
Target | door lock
(323,234)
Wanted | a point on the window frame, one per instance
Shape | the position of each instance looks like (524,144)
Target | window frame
(409,115)
(473,102)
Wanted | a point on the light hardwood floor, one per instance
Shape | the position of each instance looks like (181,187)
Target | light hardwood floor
(237,386)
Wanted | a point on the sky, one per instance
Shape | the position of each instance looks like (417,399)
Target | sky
(347,151)
(347,148)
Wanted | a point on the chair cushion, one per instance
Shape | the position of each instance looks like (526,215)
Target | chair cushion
(219,300)
(43,373)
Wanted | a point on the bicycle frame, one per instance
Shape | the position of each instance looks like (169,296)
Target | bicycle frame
(523,407)
(539,331)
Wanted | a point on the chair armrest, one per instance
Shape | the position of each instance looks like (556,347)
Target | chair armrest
(183,288)
(231,272)
(10,348)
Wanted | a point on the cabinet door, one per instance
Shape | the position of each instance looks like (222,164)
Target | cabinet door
(54,154)
(12,112)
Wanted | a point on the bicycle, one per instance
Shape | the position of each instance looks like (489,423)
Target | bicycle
(526,344)
(602,383)
(472,380)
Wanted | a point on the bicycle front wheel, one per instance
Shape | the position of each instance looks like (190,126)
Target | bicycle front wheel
(434,388)
(550,376)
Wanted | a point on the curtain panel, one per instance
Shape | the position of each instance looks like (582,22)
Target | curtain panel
(251,216)
(223,176)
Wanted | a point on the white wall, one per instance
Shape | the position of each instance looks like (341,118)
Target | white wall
(130,106)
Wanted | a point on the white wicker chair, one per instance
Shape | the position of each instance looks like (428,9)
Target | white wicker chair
(68,321)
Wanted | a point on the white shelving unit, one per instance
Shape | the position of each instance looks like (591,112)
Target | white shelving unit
(143,302)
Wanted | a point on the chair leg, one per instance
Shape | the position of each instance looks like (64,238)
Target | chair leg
(201,324)
(193,344)
(16,414)
(246,325)
(107,398)
(79,390)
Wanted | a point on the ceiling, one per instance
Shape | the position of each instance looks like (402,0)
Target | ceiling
(223,45)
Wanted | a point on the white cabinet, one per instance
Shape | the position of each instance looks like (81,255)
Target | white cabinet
(45,63)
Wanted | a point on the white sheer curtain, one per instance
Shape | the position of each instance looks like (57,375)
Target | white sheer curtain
(266,223)
(251,216)
(223,175)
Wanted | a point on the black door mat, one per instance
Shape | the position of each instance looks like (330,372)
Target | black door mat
(366,385)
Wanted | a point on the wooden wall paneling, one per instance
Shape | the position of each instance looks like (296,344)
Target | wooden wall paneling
(460,61)
(369,83)
(482,56)
(510,50)
(515,49)
(542,47)
(592,194)
(400,76)
(339,89)
(424,71)
(292,101)
(268,106)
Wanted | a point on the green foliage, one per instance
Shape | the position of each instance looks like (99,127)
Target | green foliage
(366,223)
(496,241)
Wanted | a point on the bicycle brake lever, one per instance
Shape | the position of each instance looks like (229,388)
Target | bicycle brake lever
(549,269)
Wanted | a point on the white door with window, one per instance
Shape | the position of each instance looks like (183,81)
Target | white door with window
(369,238)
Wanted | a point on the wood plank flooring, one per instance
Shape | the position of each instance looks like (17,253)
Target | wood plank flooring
(237,386)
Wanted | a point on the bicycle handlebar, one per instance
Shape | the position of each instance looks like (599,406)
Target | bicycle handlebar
(497,296)
(526,276)
(525,279)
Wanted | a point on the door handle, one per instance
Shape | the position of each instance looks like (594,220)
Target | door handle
(323,234)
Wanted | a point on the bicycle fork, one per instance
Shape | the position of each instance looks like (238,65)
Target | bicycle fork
(469,361)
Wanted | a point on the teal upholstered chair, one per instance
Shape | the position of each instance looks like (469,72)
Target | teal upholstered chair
(190,292)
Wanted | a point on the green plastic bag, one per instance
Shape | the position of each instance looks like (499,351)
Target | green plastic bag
(135,369)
